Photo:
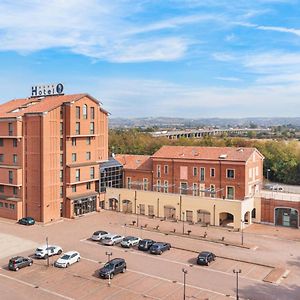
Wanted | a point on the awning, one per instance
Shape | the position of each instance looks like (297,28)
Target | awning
(80,196)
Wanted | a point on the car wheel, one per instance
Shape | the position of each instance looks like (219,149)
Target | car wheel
(59,252)
(160,252)
(67,265)
(46,256)
(111,275)
(30,264)
(17,269)
(78,259)
(124,270)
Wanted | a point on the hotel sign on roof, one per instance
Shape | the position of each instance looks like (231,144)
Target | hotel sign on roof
(47,90)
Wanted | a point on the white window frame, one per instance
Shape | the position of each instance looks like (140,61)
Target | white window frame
(166,188)
(233,173)
(214,170)
(200,175)
(230,186)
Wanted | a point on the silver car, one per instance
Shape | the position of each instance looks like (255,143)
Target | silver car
(99,235)
(112,239)
(130,241)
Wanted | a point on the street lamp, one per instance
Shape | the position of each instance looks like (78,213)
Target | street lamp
(268,170)
(184,275)
(183,222)
(47,252)
(109,254)
(242,230)
(137,215)
(237,272)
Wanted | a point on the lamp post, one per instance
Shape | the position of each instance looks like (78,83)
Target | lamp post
(268,170)
(237,272)
(109,254)
(47,252)
(137,215)
(183,222)
(242,230)
(184,275)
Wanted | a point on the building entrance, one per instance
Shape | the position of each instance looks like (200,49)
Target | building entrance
(84,205)
(287,217)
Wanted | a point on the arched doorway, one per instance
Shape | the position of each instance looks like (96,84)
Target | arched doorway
(288,217)
(113,204)
(127,206)
(169,212)
(203,217)
(253,213)
(247,218)
(226,219)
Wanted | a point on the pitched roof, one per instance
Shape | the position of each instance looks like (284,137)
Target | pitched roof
(135,162)
(205,153)
(19,107)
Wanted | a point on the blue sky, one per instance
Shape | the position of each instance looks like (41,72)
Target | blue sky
(173,58)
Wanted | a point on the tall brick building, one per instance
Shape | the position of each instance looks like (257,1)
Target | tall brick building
(50,151)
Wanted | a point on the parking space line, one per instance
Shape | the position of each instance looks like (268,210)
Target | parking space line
(34,286)
(250,270)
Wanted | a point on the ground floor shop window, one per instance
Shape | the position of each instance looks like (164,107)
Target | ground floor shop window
(84,205)
(286,217)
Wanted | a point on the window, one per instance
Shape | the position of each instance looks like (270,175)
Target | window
(166,169)
(73,141)
(202,174)
(10,129)
(11,206)
(15,158)
(158,185)
(61,128)
(145,184)
(256,171)
(129,182)
(166,186)
(1,142)
(15,143)
(1,188)
(74,157)
(61,175)
(92,128)
(88,155)
(195,189)
(183,188)
(212,191)
(61,160)
(92,113)
(61,113)
(212,172)
(61,191)
(77,174)
(78,112)
(151,210)
(88,185)
(10,176)
(77,129)
(88,140)
(74,188)
(6,205)
(92,172)
(85,111)
(1,204)
(158,171)
(15,190)
(1,157)
(61,144)
(194,171)
(250,172)
(230,192)
(230,173)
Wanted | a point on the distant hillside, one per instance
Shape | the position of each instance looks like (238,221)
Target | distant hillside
(218,122)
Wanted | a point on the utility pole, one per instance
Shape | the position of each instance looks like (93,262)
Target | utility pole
(184,281)
(183,222)
(242,230)
(109,254)
(48,263)
(237,272)
(137,215)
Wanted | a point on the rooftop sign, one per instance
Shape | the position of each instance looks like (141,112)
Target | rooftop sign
(47,90)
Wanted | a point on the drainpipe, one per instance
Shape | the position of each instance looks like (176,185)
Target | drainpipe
(214,214)
(180,207)
(135,210)
(158,207)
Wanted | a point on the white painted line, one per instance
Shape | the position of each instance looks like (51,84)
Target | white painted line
(156,257)
(34,286)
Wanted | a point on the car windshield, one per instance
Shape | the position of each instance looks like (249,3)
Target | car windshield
(65,257)
(39,249)
(108,238)
(96,233)
(129,238)
(109,266)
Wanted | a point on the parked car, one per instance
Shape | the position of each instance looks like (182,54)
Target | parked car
(159,248)
(145,244)
(99,235)
(27,221)
(45,251)
(18,262)
(67,259)
(277,188)
(205,258)
(113,267)
(112,239)
(130,241)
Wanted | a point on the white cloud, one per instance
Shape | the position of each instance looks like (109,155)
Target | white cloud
(280,29)
(219,56)
(228,78)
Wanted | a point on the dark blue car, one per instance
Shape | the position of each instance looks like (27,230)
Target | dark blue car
(159,248)
(27,221)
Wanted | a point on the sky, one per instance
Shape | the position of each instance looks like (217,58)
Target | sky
(151,58)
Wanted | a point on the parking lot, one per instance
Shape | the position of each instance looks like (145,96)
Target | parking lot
(147,276)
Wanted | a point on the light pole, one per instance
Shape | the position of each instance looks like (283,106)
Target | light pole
(109,254)
(137,215)
(242,230)
(268,170)
(183,222)
(47,252)
(237,272)
(184,275)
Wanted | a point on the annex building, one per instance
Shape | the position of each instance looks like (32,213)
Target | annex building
(51,147)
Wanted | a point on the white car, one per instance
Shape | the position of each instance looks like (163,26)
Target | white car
(130,241)
(112,239)
(99,235)
(67,259)
(46,251)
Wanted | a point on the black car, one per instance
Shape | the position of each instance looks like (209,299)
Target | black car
(113,267)
(19,262)
(159,248)
(205,257)
(27,221)
(145,244)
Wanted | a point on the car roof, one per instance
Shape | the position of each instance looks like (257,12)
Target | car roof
(147,240)
(45,246)
(205,253)
(131,237)
(115,260)
(17,257)
(100,231)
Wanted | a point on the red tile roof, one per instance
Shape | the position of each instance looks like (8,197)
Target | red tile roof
(205,153)
(34,105)
(135,162)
